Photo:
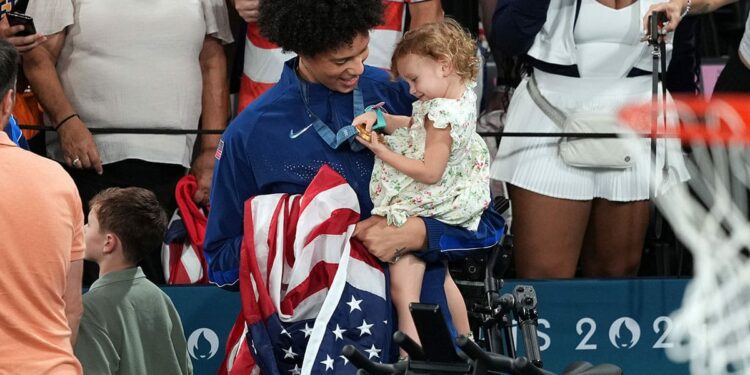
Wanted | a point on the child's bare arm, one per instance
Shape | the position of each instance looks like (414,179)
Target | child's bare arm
(393,122)
(436,153)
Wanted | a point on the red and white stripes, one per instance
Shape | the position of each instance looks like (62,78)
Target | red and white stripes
(264,60)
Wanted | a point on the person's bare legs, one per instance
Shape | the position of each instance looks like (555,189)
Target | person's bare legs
(406,286)
(547,234)
(456,305)
(614,238)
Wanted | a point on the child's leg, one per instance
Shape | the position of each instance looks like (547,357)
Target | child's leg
(406,285)
(457,306)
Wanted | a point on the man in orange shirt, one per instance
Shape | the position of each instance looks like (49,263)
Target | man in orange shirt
(41,252)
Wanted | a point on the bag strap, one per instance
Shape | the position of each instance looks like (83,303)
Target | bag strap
(659,58)
(659,54)
(557,116)
(663,58)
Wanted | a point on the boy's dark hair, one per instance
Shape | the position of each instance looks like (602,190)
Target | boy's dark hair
(8,66)
(311,27)
(134,215)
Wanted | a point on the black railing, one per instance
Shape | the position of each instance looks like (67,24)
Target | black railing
(483,134)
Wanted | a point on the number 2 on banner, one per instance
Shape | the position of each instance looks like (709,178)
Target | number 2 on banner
(662,343)
(584,345)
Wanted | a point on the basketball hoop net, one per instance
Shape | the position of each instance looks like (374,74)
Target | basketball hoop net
(710,215)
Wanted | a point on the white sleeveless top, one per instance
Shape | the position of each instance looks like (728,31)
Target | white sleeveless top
(607,39)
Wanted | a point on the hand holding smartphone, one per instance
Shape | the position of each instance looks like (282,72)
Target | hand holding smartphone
(655,26)
(15,19)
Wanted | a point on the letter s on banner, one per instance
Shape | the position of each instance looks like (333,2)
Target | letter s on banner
(544,336)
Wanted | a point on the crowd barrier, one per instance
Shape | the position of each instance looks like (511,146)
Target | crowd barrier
(488,134)
(621,321)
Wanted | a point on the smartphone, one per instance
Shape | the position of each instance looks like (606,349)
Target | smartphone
(22,19)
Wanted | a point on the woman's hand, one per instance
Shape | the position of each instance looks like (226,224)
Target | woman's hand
(78,146)
(247,9)
(673,9)
(383,240)
(203,170)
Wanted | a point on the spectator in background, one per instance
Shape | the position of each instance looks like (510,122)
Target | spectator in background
(735,78)
(129,325)
(23,44)
(122,64)
(41,225)
(264,60)
(563,213)
(683,73)
(11,33)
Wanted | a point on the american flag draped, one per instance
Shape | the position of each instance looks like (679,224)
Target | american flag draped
(182,250)
(307,287)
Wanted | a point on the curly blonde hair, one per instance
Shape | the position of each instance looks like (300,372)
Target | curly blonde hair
(446,39)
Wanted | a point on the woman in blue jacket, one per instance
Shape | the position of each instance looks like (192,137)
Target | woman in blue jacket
(278,143)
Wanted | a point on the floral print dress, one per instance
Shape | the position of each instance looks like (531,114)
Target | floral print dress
(462,194)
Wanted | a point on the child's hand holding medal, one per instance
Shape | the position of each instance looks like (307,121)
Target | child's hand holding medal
(364,123)
(364,133)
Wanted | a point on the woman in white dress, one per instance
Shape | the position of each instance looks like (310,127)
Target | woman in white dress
(586,56)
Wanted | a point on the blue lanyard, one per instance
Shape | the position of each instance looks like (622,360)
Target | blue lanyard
(345,134)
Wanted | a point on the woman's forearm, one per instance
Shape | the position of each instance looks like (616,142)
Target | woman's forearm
(421,171)
(425,12)
(705,6)
(675,10)
(215,97)
(39,67)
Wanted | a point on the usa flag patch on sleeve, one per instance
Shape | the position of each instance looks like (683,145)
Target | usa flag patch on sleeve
(219,149)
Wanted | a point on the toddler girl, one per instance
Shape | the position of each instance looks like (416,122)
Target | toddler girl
(432,164)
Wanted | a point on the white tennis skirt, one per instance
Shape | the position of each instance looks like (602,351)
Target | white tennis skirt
(533,163)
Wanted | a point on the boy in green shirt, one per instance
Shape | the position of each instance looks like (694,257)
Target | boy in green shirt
(129,325)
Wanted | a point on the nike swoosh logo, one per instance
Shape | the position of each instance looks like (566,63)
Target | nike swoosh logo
(293,135)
